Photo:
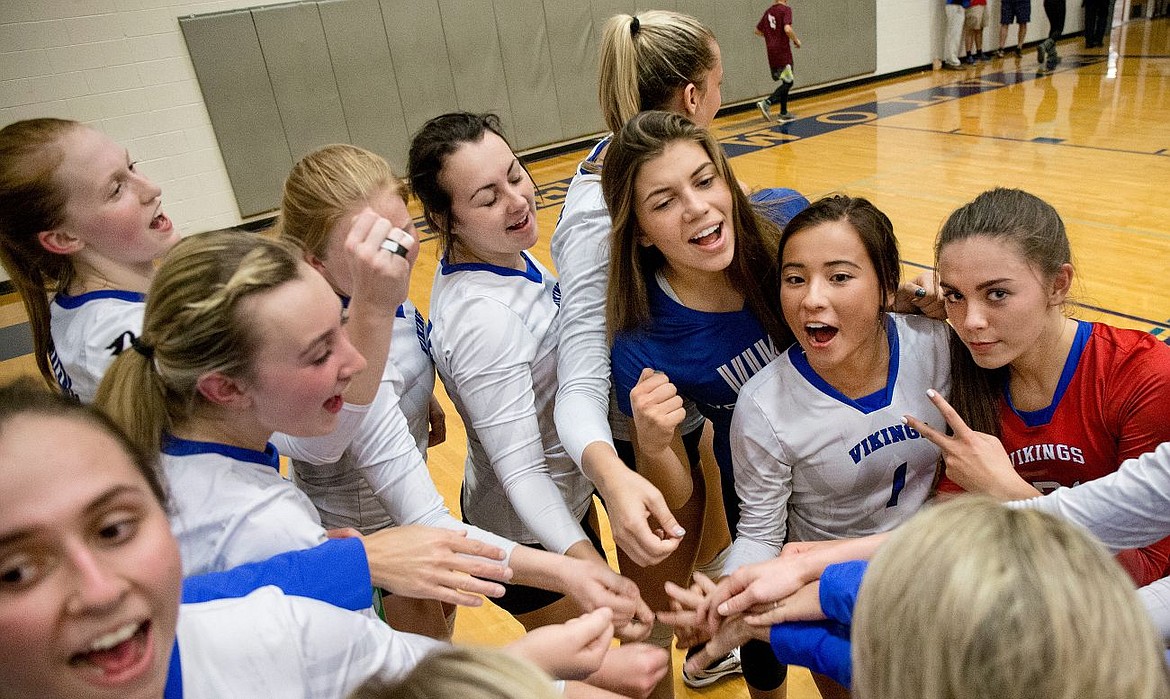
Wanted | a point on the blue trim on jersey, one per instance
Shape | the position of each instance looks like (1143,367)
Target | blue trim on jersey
(174,687)
(399,312)
(594,154)
(177,446)
(531,273)
(865,404)
(66,301)
(1036,418)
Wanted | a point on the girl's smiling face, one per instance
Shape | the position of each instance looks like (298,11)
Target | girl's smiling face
(493,201)
(89,571)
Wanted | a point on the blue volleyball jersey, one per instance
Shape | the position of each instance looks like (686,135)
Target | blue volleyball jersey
(707,356)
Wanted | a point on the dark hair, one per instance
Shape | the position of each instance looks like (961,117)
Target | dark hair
(429,149)
(753,268)
(873,227)
(1034,229)
(25,397)
(32,200)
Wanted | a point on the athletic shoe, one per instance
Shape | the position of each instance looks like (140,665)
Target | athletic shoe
(982,56)
(952,66)
(727,665)
(968,59)
(1040,49)
(787,116)
(763,105)
(999,53)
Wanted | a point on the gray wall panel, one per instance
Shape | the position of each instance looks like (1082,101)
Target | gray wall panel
(419,51)
(573,41)
(473,48)
(234,81)
(366,80)
(297,57)
(524,48)
(281,80)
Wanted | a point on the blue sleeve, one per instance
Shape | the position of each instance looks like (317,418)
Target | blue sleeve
(779,204)
(625,374)
(821,646)
(839,585)
(336,572)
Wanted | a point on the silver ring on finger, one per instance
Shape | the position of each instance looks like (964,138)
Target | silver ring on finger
(394,247)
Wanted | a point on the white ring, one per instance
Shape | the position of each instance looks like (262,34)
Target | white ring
(394,247)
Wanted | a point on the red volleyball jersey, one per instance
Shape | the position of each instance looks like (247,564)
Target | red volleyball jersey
(1112,404)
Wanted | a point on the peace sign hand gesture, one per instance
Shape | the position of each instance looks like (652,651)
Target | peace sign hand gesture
(975,460)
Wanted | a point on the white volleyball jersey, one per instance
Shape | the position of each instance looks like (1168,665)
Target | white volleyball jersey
(269,644)
(811,464)
(493,337)
(381,480)
(344,490)
(89,332)
(586,409)
(412,367)
(231,506)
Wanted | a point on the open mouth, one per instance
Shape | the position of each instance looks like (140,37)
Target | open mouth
(117,654)
(160,222)
(333,405)
(708,236)
(820,334)
(522,223)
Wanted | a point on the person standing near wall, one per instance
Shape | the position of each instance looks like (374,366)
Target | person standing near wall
(974,21)
(956,15)
(776,28)
(1018,11)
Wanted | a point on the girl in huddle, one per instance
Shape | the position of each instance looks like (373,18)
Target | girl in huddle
(1070,400)
(90,587)
(692,307)
(493,337)
(240,339)
(856,368)
(664,61)
(382,480)
(80,231)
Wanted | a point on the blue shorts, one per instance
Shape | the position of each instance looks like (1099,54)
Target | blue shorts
(1019,10)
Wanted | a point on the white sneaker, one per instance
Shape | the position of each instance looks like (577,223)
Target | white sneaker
(762,105)
(727,665)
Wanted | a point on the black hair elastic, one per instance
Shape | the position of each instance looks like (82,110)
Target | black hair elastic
(635,25)
(142,348)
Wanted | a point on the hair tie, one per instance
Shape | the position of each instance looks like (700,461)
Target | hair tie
(635,25)
(142,348)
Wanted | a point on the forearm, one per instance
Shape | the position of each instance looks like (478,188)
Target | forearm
(666,468)
(370,328)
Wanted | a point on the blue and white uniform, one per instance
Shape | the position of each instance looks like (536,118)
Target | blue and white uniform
(364,489)
(707,356)
(231,505)
(89,331)
(812,464)
(493,337)
(272,644)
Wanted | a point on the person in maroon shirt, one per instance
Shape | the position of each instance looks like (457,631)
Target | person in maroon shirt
(776,28)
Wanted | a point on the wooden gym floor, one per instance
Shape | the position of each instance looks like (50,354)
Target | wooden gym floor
(1091,138)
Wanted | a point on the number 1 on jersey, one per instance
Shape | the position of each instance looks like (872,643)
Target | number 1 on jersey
(899,483)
